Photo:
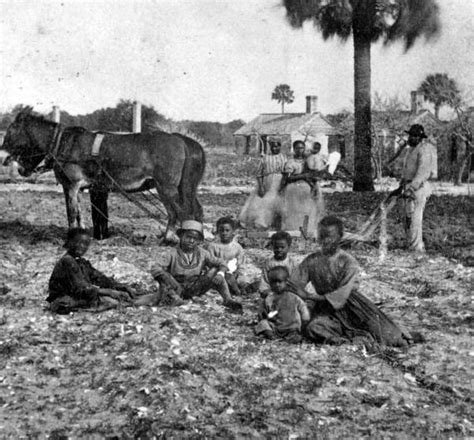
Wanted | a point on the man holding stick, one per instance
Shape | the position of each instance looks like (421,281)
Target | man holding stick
(418,169)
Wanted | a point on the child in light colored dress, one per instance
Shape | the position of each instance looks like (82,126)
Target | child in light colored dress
(228,249)
(282,314)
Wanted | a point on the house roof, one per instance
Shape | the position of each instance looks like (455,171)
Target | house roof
(287,123)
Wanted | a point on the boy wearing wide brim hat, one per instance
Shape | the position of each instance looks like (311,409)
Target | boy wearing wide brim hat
(188,270)
(419,166)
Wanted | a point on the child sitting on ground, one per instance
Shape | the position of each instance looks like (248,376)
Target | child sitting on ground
(75,284)
(340,312)
(282,314)
(228,249)
(281,243)
(189,270)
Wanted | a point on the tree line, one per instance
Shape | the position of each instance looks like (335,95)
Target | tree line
(120,119)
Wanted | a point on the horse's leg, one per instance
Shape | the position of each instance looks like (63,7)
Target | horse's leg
(169,195)
(80,223)
(197,209)
(70,214)
(71,194)
(100,214)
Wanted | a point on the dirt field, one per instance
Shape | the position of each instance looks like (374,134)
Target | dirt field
(197,372)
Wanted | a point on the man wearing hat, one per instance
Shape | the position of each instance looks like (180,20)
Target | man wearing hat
(188,270)
(418,168)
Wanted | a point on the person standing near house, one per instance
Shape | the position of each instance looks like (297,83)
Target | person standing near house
(316,161)
(294,167)
(260,208)
(418,168)
(299,195)
(270,168)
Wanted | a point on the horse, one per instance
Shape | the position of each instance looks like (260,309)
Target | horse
(101,161)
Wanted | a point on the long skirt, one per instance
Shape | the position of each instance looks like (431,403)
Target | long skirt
(359,317)
(67,304)
(259,211)
(297,202)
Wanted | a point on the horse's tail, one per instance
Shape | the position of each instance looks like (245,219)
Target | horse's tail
(193,172)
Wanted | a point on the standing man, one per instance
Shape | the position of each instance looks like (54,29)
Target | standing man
(418,168)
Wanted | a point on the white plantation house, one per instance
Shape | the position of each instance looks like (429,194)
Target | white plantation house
(310,126)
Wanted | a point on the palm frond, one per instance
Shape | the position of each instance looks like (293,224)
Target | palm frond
(416,18)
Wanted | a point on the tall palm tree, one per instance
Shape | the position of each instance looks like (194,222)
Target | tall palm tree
(284,95)
(367,21)
(440,89)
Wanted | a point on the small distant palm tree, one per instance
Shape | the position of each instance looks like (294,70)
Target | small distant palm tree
(284,95)
(367,21)
(440,89)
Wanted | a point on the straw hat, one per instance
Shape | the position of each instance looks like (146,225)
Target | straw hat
(191,225)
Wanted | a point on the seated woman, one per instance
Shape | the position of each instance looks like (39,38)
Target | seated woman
(297,198)
(340,312)
(75,284)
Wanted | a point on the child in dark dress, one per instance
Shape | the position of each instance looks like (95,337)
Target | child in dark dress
(75,284)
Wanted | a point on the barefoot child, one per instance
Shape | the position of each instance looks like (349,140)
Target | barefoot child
(189,270)
(340,311)
(282,313)
(281,243)
(228,249)
(76,284)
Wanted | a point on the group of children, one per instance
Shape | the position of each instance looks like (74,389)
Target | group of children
(332,310)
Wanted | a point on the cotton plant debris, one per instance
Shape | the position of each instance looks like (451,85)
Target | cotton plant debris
(195,371)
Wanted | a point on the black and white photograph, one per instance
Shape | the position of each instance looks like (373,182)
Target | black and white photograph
(236,219)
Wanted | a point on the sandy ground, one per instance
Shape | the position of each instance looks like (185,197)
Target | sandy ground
(198,372)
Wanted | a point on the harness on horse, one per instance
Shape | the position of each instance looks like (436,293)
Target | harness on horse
(58,143)
(99,137)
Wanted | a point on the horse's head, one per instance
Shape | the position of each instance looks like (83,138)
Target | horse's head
(25,142)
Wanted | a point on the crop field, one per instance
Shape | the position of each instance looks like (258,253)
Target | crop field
(195,371)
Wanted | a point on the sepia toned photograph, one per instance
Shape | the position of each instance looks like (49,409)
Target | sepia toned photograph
(236,219)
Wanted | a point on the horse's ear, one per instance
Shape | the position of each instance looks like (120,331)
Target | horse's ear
(25,111)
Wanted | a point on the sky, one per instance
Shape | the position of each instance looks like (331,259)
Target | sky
(215,60)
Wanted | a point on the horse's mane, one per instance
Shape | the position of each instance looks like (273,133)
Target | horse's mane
(36,117)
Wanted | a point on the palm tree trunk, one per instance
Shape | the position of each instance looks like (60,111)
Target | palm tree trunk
(362,116)
(436,109)
(462,166)
(283,106)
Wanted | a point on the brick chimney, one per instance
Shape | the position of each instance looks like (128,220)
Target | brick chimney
(311,104)
(417,101)
(137,117)
(56,114)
